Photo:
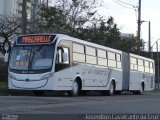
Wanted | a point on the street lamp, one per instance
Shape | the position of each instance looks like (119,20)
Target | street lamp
(149,39)
(151,48)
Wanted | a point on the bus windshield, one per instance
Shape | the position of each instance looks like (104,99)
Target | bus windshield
(39,57)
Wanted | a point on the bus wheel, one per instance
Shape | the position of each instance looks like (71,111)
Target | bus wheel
(118,92)
(139,92)
(38,93)
(82,92)
(111,91)
(141,89)
(75,89)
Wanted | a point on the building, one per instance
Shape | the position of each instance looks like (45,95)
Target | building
(14,8)
(126,35)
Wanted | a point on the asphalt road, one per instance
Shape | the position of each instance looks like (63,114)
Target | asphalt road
(148,103)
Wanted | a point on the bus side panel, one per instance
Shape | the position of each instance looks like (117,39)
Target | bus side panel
(149,82)
(135,80)
(93,77)
(63,79)
(99,78)
(138,77)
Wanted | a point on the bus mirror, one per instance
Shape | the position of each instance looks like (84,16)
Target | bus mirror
(6,57)
(65,58)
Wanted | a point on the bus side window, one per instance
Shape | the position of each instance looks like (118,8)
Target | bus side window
(62,58)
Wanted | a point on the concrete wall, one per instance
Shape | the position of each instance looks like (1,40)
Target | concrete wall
(2,5)
(13,7)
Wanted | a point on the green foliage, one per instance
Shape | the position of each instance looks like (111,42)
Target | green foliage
(100,31)
(3,73)
(75,18)
(8,27)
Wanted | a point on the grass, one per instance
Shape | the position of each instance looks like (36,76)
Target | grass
(3,87)
(153,91)
(156,91)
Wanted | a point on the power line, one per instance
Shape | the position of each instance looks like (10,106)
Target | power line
(126,3)
(121,3)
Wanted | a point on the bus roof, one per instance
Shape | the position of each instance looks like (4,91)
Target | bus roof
(141,57)
(66,37)
(60,37)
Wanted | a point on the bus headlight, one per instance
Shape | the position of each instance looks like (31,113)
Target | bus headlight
(12,77)
(47,76)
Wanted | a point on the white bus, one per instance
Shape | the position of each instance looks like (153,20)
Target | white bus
(59,62)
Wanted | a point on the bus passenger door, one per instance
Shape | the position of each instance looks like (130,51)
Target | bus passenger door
(126,71)
(62,59)
(62,66)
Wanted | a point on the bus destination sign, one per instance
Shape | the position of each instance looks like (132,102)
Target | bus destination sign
(35,39)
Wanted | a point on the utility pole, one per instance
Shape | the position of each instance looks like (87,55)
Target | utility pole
(139,28)
(149,39)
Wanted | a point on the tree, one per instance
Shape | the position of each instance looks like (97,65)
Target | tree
(24,17)
(128,44)
(37,23)
(9,26)
(105,32)
(68,16)
(77,18)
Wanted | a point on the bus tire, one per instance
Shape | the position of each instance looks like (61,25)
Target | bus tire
(38,93)
(118,92)
(111,91)
(83,92)
(139,92)
(75,89)
(141,89)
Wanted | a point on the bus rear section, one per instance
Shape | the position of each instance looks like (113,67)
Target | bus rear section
(142,74)
(138,73)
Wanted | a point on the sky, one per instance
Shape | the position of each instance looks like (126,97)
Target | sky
(125,16)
